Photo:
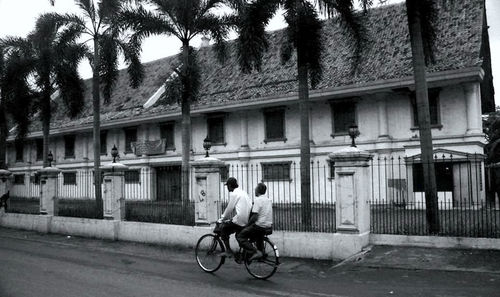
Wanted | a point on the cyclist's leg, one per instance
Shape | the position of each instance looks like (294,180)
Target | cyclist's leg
(226,231)
(243,238)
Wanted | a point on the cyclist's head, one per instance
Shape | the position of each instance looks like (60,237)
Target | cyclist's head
(231,184)
(260,189)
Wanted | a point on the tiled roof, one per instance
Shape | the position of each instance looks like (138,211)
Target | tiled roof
(388,56)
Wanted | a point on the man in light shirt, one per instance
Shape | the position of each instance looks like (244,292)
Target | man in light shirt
(239,201)
(260,220)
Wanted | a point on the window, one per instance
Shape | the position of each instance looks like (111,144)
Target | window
(224,173)
(274,120)
(69,146)
(331,164)
(35,178)
(167,133)
(69,178)
(444,177)
(132,177)
(433,107)
(104,144)
(216,129)
(276,171)
(39,149)
(19,151)
(19,179)
(344,115)
(130,137)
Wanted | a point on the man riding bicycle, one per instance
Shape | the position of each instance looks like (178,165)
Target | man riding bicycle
(261,220)
(239,201)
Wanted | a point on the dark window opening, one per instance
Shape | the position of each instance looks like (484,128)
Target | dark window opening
(332,169)
(69,146)
(444,177)
(39,149)
(344,115)
(167,133)
(35,178)
(275,124)
(433,107)
(130,137)
(104,144)
(276,171)
(216,129)
(19,146)
(69,178)
(224,173)
(19,179)
(132,177)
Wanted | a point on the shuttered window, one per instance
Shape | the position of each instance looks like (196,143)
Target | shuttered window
(276,171)
(69,146)
(69,178)
(344,115)
(167,133)
(104,143)
(130,137)
(39,149)
(275,124)
(216,129)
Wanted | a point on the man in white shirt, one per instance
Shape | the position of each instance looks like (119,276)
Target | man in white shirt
(239,201)
(261,219)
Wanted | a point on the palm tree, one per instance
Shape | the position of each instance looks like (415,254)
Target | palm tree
(15,96)
(52,55)
(421,23)
(303,35)
(184,19)
(99,22)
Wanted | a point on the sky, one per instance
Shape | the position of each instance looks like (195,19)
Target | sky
(18,17)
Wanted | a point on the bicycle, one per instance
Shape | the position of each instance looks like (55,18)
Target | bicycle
(209,248)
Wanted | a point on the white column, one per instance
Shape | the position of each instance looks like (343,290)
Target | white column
(206,190)
(244,130)
(472,94)
(49,180)
(383,127)
(352,194)
(85,137)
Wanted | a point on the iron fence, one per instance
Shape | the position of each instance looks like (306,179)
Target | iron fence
(398,204)
(283,183)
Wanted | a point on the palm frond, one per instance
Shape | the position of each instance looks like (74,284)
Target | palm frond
(108,9)
(131,51)
(145,23)
(218,28)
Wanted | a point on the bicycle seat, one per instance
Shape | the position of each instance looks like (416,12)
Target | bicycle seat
(268,231)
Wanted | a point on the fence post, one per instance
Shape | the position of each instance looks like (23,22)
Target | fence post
(207,190)
(4,187)
(113,191)
(49,182)
(352,194)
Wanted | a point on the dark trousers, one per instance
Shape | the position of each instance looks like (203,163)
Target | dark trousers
(228,229)
(254,233)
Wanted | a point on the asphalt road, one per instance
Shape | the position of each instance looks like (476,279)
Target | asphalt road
(39,265)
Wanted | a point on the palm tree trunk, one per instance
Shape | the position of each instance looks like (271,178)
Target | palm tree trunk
(415,28)
(305,149)
(186,126)
(4,133)
(97,130)
(46,115)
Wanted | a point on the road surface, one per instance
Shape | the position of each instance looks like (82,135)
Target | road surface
(54,265)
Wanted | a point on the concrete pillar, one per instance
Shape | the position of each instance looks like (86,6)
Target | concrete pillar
(206,190)
(5,176)
(113,191)
(244,130)
(472,94)
(383,127)
(352,193)
(49,184)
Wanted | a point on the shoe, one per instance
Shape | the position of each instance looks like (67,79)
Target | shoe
(256,255)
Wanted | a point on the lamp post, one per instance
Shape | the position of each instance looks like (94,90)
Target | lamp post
(353,133)
(207,144)
(114,153)
(50,158)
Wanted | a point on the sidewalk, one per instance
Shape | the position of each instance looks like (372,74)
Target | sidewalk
(416,258)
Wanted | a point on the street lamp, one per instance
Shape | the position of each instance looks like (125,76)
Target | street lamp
(207,144)
(50,158)
(114,153)
(353,133)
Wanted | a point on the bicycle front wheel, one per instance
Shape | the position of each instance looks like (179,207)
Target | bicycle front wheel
(208,253)
(266,266)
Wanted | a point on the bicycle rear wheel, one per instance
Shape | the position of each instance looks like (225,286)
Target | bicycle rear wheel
(266,266)
(207,252)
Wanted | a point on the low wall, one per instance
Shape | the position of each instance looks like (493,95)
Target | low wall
(436,242)
(290,244)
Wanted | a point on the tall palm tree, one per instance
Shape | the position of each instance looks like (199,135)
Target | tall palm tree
(184,19)
(53,55)
(421,23)
(304,35)
(15,96)
(99,21)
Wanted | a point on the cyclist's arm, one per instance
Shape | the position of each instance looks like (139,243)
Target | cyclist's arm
(254,216)
(229,209)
